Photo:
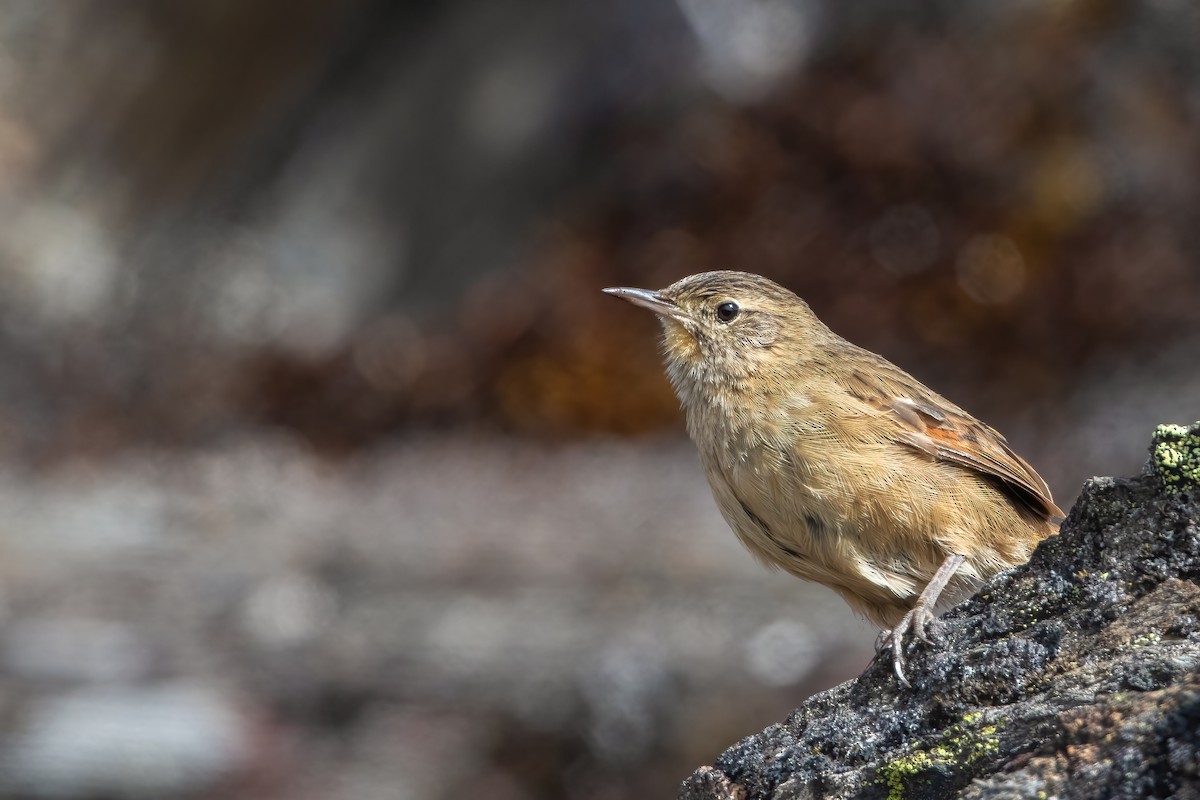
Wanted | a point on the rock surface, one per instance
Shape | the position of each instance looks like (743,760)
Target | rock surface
(1076,675)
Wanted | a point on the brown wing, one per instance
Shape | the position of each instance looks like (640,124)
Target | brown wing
(942,430)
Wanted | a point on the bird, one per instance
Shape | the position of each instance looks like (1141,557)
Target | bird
(835,465)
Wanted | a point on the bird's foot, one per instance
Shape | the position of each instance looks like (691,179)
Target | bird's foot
(915,622)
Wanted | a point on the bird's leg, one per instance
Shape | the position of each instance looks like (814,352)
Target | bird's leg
(921,614)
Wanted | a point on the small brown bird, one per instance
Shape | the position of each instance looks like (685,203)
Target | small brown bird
(832,463)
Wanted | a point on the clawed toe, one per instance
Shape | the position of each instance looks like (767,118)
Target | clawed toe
(915,622)
(918,619)
(896,639)
(919,624)
(898,665)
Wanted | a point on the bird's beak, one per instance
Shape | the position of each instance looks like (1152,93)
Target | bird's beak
(648,299)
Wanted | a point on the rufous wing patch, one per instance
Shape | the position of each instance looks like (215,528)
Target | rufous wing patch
(961,440)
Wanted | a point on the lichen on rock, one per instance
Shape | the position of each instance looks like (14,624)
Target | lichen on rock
(960,745)
(1076,675)
(1175,454)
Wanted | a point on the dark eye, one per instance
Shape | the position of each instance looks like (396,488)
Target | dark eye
(727,311)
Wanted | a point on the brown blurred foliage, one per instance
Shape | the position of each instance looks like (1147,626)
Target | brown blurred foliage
(956,196)
(324,222)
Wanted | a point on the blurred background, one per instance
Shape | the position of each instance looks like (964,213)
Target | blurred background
(327,470)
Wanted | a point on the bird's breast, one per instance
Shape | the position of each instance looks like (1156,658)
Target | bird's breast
(762,486)
(801,497)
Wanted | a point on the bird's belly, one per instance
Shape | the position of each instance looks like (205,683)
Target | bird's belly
(848,530)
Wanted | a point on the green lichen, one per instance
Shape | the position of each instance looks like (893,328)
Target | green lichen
(1148,638)
(958,748)
(1175,453)
(1028,611)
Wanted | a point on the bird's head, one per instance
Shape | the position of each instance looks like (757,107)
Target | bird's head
(721,328)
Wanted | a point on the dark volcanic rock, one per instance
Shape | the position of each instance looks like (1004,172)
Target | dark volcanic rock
(1076,675)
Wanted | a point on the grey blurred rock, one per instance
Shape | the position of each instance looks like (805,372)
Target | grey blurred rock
(75,649)
(443,615)
(124,743)
(1074,676)
(288,610)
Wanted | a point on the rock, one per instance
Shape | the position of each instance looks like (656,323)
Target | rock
(1076,675)
(149,742)
(75,649)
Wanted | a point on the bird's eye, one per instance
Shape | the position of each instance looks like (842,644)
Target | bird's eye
(727,311)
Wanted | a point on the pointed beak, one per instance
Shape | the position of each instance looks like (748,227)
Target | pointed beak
(647,299)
